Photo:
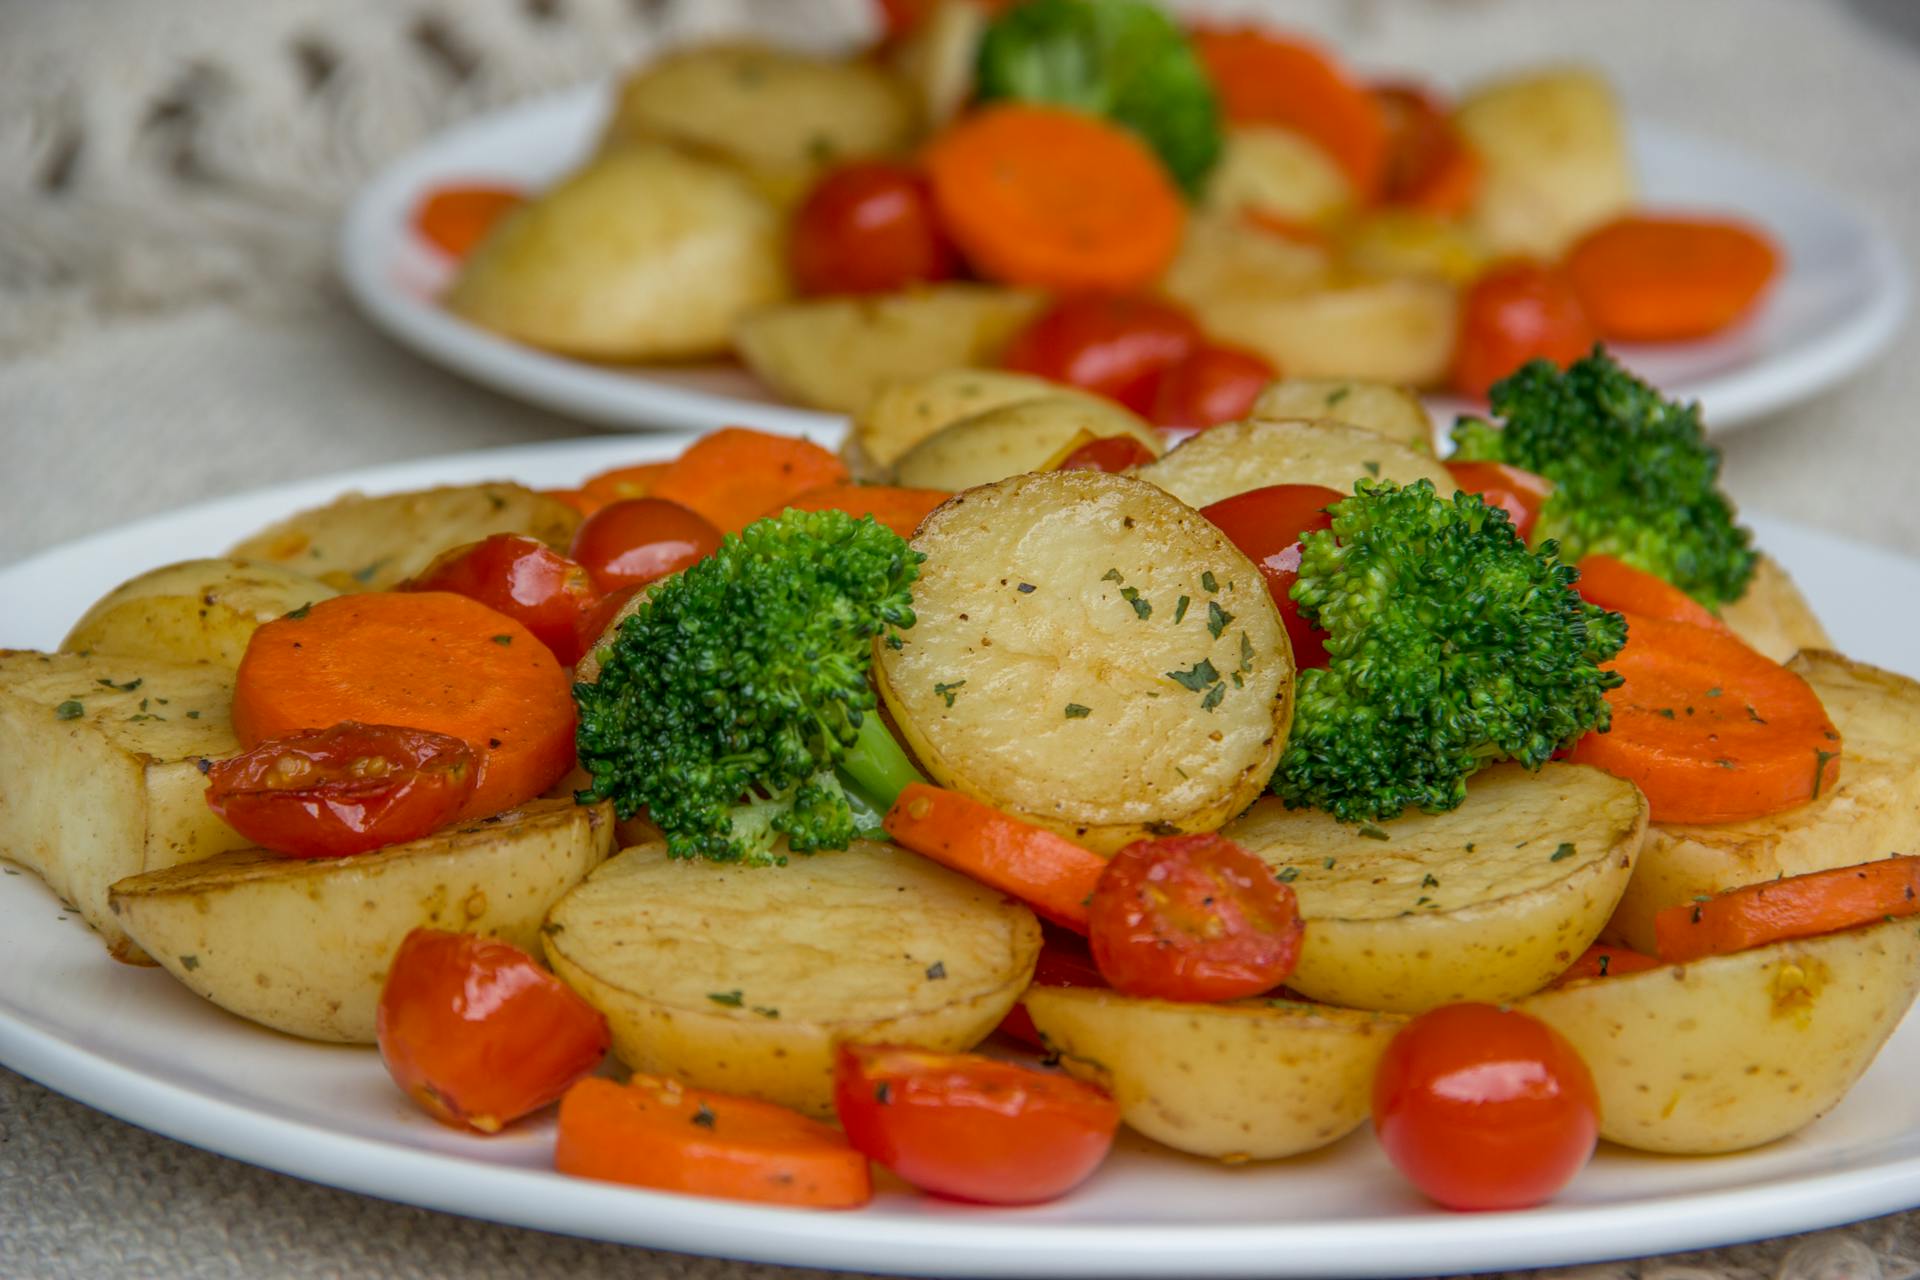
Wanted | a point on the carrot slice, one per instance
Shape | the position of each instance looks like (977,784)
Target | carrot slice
(1662,279)
(456,219)
(1711,730)
(621,483)
(901,510)
(736,475)
(1605,962)
(424,660)
(1049,872)
(655,1132)
(1798,907)
(1616,585)
(579,499)
(1044,196)
(1263,78)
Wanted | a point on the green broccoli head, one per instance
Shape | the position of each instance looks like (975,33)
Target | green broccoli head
(1122,59)
(728,702)
(1451,646)
(1633,474)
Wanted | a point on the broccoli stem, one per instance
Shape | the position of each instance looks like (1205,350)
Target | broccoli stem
(877,765)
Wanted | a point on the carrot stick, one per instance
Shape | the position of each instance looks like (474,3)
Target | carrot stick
(1616,585)
(621,483)
(1044,196)
(655,1132)
(423,660)
(901,510)
(1047,871)
(1664,279)
(734,476)
(1798,907)
(1605,962)
(1711,730)
(456,219)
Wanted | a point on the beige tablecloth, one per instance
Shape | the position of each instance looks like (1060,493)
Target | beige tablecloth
(169,176)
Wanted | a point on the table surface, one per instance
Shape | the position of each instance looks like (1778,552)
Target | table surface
(169,332)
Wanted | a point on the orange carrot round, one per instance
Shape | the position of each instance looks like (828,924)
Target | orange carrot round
(1616,585)
(457,218)
(1643,278)
(424,660)
(735,475)
(1044,196)
(1600,961)
(1711,730)
(655,1132)
(1049,872)
(1799,907)
(621,483)
(901,510)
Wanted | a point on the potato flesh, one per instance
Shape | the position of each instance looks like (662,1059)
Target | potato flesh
(1013,438)
(1399,330)
(1394,412)
(1402,242)
(1773,617)
(905,412)
(194,611)
(1241,456)
(1266,169)
(1224,262)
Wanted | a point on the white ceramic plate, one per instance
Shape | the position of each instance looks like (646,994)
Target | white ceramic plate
(135,1043)
(1839,303)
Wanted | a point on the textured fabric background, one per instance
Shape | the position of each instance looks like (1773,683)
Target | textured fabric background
(170,173)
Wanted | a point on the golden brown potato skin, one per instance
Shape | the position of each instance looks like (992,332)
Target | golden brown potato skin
(1773,616)
(905,412)
(1010,439)
(1240,456)
(1271,170)
(1400,329)
(193,611)
(1394,412)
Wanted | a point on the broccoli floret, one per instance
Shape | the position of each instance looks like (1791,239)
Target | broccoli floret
(734,705)
(1634,476)
(1451,646)
(1122,59)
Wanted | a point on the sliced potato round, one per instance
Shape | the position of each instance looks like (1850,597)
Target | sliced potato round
(745,978)
(1013,438)
(907,411)
(303,945)
(1773,616)
(1092,656)
(192,611)
(648,253)
(1239,456)
(1394,412)
(1396,330)
(1732,1051)
(1272,170)
(1490,901)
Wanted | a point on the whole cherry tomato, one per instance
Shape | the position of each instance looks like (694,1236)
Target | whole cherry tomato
(1484,1108)
(1109,453)
(639,540)
(1212,385)
(1519,493)
(1064,962)
(1516,312)
(1192,918)
(477,1033)
(328,793)
(1267,525)
(1113,346)
(523,578)
(1429,165)
(869,227)
(973,1128)
(594,623)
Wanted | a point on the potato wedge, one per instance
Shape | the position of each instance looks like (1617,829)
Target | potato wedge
(1267,169)
(1395,330)
(357,543)
(1773,616)
(303,945)
(1224,260)
(1013,438)
(1732,1051)
(905,412)
(1240,456)
(1403,242)
(1091,656)
(745,978)
(193,611)
(1875,809)
(98,773)
(1252,1080)
(936,58)
(1488,902)
(1394,412)
(836,353)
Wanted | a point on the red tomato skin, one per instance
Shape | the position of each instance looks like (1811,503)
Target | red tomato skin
(1521,494)
(302,796)
(869,227)
(1484,1108)
(523,578)
(1064,962)
(1214,384)
(1430,166)
(477,1033)
(971,1128)
(1111,454)
(1518,311)
(1267,525)
(640,540)
(1116,347)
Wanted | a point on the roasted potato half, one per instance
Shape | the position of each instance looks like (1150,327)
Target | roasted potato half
(904,413)
(1252,1080)
(1394,412)
(1773,616)
(836,353)
(1394,330)
(193,611)
(1732,1051)
(1013,438)
(1226,262)
(303,945)
(745,978)
(1266,169)
(1239,456)
(1490,901)
(1874,810)
(1404,242)
(1092,656)
(357,543)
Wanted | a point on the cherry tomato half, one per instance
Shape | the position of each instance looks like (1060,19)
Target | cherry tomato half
(1519,493)
(1484,1108)
(1111,454)
(1267,525)
(869,227)
(327,793)
(477,1033)
(523,578)
(1064,962)
(1516,312)
(973,1128)
(1429,165)
(1192,918)
(1113,346)
(639,540)
(1212,385)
